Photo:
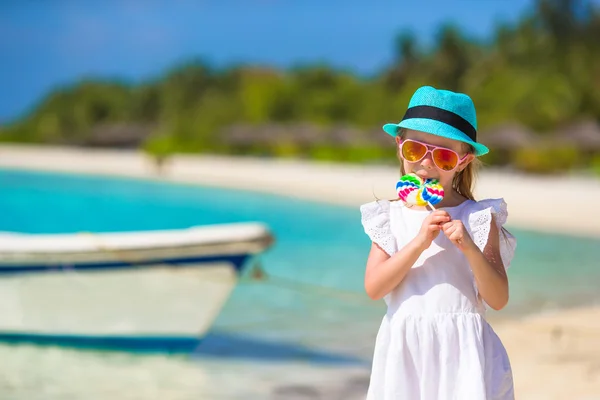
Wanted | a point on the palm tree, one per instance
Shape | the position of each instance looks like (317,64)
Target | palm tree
(451,58)
(406,58)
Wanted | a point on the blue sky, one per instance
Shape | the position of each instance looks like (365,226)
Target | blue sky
(48,43)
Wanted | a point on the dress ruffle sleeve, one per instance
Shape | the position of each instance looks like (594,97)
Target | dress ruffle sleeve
(375,218)
(480,223)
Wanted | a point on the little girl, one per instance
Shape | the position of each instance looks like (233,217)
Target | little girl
(438,270)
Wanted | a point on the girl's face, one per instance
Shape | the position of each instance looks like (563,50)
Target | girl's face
(426,168)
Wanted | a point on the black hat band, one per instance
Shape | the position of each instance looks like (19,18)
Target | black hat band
(445,116)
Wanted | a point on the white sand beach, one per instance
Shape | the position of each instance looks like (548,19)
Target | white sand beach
(554,356)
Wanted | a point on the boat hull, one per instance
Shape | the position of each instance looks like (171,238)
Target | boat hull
(145,302)
(116,294)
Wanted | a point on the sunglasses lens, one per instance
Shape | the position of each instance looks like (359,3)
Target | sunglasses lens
(413,151)
(445,160)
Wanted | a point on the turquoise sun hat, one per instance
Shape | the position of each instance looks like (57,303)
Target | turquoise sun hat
(442,113)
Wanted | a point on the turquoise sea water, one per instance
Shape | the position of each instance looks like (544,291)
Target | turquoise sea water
(313,295)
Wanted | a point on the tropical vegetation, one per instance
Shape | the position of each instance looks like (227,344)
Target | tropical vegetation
(536,85)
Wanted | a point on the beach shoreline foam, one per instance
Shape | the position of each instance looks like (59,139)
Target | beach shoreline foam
(554,355)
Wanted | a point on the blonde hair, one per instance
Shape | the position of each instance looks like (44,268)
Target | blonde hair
(463,181)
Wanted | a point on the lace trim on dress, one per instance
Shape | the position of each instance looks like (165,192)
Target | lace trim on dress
(375,218)
(480,223)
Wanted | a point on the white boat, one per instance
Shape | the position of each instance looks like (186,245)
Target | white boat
(143,290)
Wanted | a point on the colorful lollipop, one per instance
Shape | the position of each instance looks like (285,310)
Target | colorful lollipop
(413,190)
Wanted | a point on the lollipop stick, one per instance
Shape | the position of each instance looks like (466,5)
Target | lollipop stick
(431,205)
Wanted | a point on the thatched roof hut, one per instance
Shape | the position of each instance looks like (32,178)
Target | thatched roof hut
(378,137)
(306,134)
(508,136)
(240,135)
(120,135)
(268,134)
(345,135)
(302,134)
(585,135)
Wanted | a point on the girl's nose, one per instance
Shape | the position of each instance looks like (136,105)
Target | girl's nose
(427,162)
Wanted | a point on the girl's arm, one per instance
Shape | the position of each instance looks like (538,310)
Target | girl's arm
(487,267)
(384,273)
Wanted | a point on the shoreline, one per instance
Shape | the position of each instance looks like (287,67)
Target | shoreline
(535,203)
(545,349)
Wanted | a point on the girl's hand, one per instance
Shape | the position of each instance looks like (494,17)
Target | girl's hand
(456,232)
(431,227)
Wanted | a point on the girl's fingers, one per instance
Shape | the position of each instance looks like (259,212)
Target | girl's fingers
(436,219)
(448,229)
(456,236)
(452,229)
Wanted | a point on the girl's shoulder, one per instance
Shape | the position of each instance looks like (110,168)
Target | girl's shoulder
(375,219)
(496,207)
(479,217)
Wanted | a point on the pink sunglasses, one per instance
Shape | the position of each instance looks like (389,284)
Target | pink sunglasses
(443,158)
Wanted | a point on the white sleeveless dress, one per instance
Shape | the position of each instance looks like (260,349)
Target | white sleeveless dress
(434,342)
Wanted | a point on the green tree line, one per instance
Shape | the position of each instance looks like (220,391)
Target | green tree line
(542,72)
